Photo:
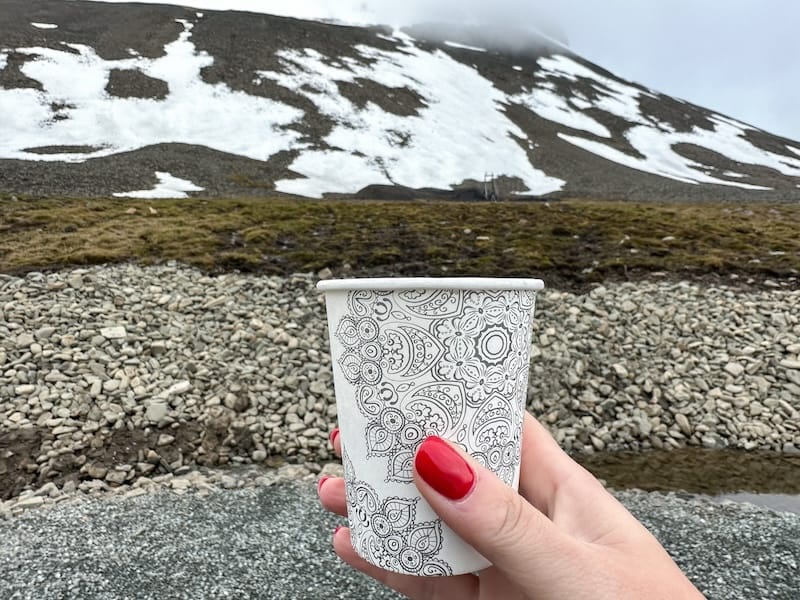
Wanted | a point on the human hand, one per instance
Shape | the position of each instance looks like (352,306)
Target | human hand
(562,536)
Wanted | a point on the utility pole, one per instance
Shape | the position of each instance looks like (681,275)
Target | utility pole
(490,187)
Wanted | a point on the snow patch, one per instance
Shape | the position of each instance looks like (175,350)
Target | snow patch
(614,97)
(653,139)
(44,25)
(717,118)
(194,112)
(460,133)
(659,156)
(549,105)
(517,68)
(464,46)
(580,103)
(167,187)
(3,60)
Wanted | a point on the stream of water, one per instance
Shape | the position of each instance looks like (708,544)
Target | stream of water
(762,478)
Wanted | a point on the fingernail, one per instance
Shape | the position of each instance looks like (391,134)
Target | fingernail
(333,435)
(322,480)
(335,531)
(443,468)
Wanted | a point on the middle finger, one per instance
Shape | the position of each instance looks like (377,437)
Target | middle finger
(332,495)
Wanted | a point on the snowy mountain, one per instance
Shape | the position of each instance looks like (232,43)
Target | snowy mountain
(112,98)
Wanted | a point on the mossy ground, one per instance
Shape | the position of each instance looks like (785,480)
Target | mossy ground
(573,241)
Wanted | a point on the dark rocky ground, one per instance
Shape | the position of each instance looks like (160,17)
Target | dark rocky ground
(274,542)
(230,176)
(243,43)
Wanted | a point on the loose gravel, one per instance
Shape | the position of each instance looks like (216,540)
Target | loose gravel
(730,551)
(272,540)
(114,373)
(254,542)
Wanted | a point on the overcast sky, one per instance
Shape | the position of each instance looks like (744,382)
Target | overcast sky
(737,57)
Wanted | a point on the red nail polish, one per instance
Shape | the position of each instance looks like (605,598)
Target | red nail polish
(322,480)
(333,435)
(443,468)
(335,531)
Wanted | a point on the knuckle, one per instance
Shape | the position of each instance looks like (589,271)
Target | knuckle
(430,590)
(512,524)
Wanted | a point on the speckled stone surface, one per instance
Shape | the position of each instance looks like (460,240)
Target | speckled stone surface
(274,542)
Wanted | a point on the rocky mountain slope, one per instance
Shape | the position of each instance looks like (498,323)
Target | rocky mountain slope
(139,99)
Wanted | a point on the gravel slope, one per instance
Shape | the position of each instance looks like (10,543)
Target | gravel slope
(113,373)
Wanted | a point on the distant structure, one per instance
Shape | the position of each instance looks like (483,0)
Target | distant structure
(490,191)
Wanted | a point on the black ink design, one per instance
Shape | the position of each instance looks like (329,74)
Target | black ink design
(385,531)
(417,360)
(472,350)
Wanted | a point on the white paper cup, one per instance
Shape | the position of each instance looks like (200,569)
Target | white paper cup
(414,357)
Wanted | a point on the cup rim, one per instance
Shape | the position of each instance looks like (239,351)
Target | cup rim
(430,283)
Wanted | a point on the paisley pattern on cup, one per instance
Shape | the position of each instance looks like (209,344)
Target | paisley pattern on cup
(386,531)
(451,363)
(417,359)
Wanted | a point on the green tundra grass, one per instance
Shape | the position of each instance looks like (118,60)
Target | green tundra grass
(569,242)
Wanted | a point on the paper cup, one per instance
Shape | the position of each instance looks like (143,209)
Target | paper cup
(414,357)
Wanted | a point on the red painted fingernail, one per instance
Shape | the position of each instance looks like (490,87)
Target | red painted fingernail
(333,435)
(443,468)
(322,480)
(335,531)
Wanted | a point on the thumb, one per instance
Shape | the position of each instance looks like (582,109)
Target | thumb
(494,519)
